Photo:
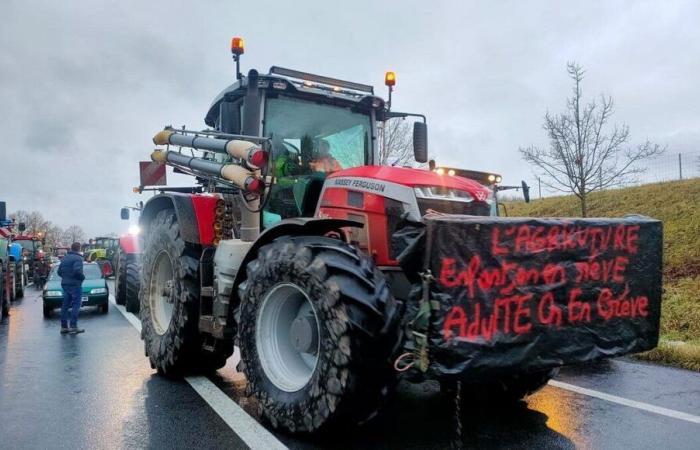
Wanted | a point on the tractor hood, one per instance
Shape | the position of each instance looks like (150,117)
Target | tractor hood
(415,178)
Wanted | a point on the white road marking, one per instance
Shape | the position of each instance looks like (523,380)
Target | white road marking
(243,425)
(627,402)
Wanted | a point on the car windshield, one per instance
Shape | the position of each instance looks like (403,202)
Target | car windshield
(91,272)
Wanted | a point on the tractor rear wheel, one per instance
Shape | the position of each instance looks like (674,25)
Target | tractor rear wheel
(318,328)
(169,296)
(132,284)
(120,279)
(20,286)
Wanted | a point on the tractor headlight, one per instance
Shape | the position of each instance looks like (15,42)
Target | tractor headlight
(441,193)
(98,291)
(54,294)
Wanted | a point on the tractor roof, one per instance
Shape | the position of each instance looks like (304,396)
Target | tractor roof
(300,84)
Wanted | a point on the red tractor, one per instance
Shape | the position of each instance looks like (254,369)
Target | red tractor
(334,275)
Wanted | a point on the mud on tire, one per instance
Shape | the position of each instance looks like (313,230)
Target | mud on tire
(358,331)
(178,350)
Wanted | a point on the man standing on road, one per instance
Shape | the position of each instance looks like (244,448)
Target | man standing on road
(71,273)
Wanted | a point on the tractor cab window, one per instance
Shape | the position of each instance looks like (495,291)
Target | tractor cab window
(309,141)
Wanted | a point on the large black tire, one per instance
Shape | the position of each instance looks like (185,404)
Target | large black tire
(120,279)
(20,284)
(178,350)
(132,285)
(13,282)
(358,325)
(4,301)
(509,389)
(47,312)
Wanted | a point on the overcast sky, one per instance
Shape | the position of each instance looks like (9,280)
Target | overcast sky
(84,85)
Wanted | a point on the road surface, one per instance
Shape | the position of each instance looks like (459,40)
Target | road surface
(97,390)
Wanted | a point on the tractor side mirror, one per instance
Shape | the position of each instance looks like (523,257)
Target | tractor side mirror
(125,213)
(526,191)
(420,142)
(21,227)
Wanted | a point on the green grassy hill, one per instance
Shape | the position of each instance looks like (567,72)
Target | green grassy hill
(675,203)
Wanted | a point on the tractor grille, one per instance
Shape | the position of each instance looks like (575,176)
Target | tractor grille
(473,208)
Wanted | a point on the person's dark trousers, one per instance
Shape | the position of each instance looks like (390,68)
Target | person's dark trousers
(71,299)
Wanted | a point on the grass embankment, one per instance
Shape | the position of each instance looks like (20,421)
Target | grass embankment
(677,204)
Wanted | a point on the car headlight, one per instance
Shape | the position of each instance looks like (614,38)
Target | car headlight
(54,294)
(98,291)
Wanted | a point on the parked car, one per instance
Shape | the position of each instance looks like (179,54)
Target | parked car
(95,290)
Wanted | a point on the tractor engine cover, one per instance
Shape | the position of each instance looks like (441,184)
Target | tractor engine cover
(514,295)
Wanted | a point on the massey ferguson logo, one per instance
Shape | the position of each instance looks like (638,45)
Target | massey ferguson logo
(360,184)
(481,196)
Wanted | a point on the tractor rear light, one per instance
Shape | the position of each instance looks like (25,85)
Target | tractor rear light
(257,158)
(253,185)
(237,46)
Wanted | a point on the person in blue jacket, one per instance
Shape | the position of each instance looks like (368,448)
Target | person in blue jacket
(71,273)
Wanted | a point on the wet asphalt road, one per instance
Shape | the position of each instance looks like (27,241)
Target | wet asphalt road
(96,390)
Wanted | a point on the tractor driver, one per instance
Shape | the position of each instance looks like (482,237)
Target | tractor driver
(323,160)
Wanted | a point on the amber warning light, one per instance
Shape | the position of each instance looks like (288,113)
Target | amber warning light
(237,46)
(390,78)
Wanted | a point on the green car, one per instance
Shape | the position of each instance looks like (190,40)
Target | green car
(95,291)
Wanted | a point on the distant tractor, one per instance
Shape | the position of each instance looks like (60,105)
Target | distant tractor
(336,276)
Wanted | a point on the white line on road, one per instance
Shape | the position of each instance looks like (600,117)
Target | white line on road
(248,429)
(627,402)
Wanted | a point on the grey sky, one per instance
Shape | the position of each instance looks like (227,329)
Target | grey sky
(84,85)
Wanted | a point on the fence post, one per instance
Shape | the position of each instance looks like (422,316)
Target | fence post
(539,187)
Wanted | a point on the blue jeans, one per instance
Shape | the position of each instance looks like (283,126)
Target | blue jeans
(71,299)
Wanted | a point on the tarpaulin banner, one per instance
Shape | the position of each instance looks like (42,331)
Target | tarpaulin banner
(521,294)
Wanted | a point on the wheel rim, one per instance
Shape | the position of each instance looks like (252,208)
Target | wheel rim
(287,337)
(162,292)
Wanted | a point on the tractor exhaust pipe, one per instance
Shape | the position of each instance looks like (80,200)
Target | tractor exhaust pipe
(250,221)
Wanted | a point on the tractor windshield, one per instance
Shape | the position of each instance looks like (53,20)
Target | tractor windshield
(309,141)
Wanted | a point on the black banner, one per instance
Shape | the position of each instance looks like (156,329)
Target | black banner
(519,294)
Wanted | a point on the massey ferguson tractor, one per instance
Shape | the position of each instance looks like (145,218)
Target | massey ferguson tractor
(334,276)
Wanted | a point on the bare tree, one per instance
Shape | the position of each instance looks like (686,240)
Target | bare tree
(34,221)
(53,235)
(584,154)
(73,234)
(397,144)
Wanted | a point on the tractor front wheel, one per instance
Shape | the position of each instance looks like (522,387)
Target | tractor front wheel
(13,281)
(318,328)
(169,296)
(132,284)
(120,279)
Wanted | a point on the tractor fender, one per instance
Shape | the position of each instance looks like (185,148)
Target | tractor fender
(15,253)
(299,226)
(195,215)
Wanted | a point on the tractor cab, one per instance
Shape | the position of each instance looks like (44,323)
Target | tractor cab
(317,126)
